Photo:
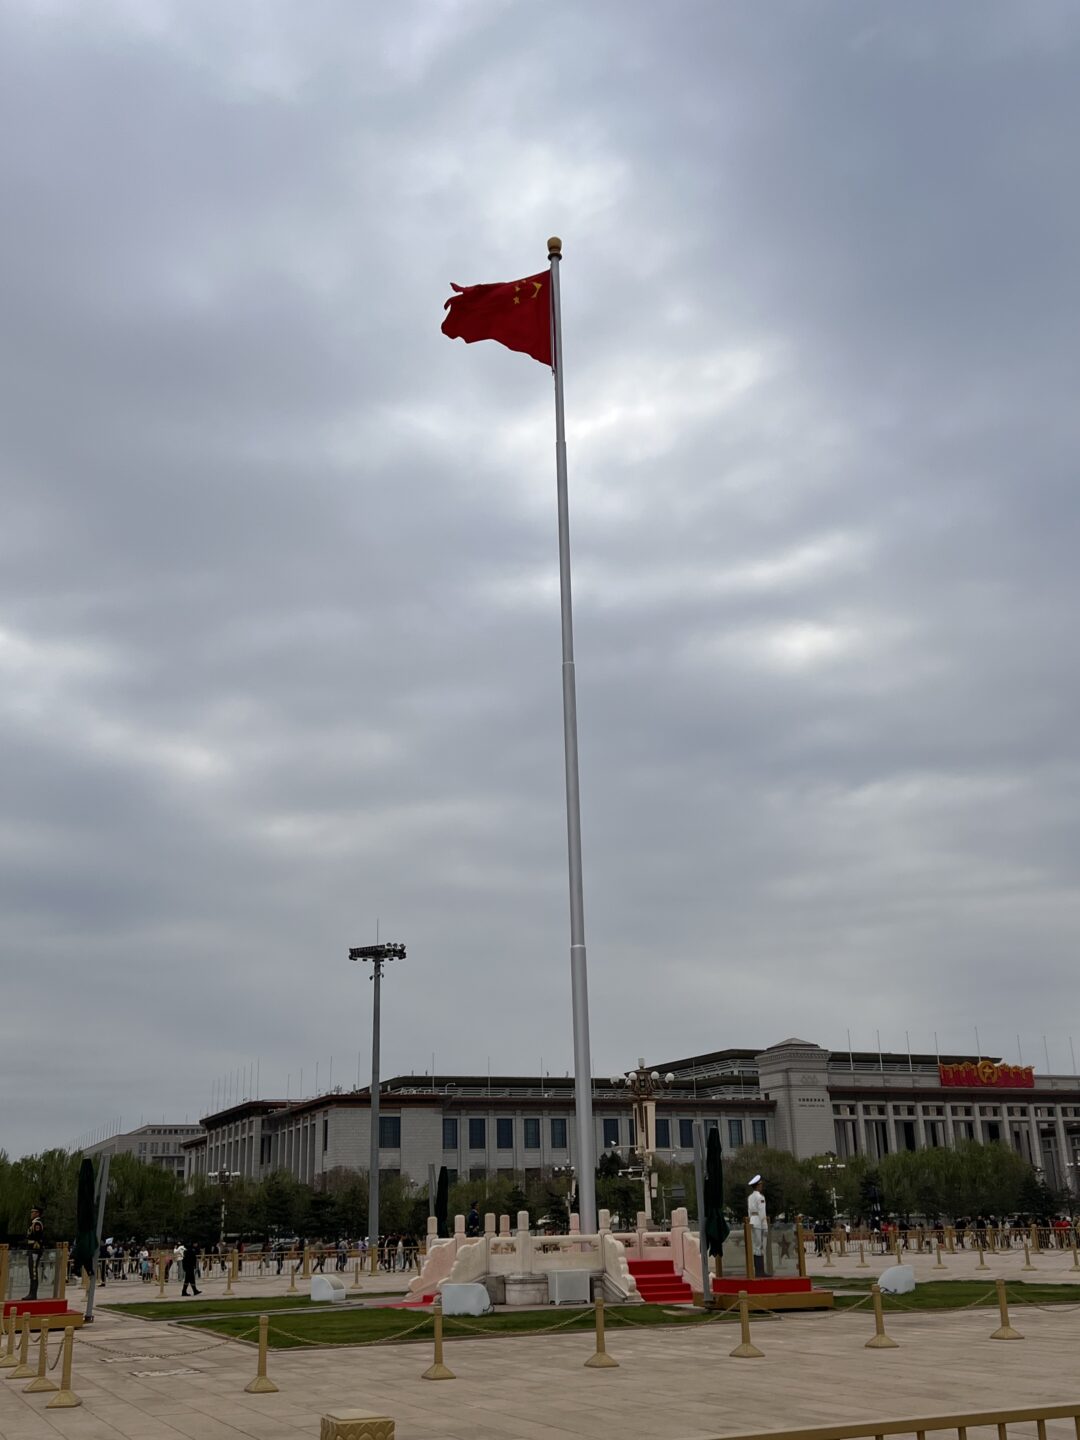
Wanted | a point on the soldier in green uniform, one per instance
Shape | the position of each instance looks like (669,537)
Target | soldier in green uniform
(35,1244)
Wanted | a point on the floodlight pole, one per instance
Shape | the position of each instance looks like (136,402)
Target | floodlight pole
(377,954)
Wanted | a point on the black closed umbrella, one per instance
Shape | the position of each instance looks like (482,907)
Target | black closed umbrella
(86,1236)
(442,1202)
(716,1227)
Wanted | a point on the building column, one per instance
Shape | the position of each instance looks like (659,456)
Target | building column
(1036,1143)
(890,1127)
(1065,1151)
(860,1128)
(920,1128)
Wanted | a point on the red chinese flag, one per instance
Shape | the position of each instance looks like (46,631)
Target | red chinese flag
(517,314)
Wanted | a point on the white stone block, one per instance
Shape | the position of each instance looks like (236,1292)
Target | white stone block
(465,1300)
(328,1288)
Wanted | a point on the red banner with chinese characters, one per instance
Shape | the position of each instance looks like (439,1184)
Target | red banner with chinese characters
(986,1074)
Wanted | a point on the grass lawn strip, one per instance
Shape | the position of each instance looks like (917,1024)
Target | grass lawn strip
(185,1309)
(961,1295)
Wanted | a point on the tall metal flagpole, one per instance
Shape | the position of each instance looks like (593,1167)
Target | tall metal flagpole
(579,982)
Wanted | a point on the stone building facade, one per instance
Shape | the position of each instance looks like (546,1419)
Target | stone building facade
(795,1095)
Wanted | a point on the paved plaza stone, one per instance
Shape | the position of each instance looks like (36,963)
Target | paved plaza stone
(141,1381)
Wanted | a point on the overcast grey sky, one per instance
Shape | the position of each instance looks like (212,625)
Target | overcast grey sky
(279,635)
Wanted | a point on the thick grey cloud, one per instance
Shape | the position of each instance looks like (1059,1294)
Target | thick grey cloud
(278,587)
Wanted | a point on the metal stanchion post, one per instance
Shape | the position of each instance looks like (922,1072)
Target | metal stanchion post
(61,1271)
(229,1275)
(437,1370)
(982,1254)
(41,1381)
(22,1370)
(745,1350)
(292,1290)
(1005,1331)
(800,1246)
(879,1340)
(161,1274)
(356,1272)
(1027,1265)
(305,1274)
(863,1263)
(601,1360)
(65,1398)
(261,1385)
(939,1264)
(748,1245)
(8,1360)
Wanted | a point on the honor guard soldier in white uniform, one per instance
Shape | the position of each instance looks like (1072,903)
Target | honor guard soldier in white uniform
(759,1225)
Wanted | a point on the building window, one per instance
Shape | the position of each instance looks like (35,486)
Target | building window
(478,1172)
(449,1132)
(558,1134)
(504,1133)
(663,1133)
(326,1132)
(532,1133)
(611,1132)
(760,1132)
(478,1134)
(686,1134)
(734,1131)
(389,1132)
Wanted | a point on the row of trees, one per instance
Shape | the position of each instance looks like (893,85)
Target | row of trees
(145,1202)
(965,1181)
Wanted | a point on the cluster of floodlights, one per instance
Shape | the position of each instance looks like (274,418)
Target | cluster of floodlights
(637,1078)
(388,950)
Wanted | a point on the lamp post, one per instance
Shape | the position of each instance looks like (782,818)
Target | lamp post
(831,1164)
(223,1178)
(378,955)
(566,1173)
(644,1086)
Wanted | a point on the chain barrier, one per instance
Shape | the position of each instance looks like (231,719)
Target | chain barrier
(1037,1305)
(980,1300)
(343,1344)
(545,1330)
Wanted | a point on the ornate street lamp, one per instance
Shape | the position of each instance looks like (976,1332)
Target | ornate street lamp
(223,1178)
(644,1086)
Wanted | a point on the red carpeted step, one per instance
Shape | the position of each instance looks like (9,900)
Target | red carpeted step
(658,1283)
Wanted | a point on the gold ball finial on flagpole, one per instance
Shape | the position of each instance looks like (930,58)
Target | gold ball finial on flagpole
(554,246)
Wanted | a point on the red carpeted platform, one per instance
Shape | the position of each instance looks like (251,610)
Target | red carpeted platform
(658,1283)
(56,1310)
(36,1307)
(770,1285)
